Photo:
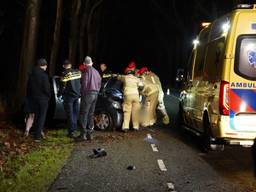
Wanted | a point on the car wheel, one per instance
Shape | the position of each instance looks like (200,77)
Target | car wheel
(179,118)
(103,121)
(206,136)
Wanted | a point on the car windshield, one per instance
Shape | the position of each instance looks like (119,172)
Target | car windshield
(113,83)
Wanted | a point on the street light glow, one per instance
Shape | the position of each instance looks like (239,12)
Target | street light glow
(225,27)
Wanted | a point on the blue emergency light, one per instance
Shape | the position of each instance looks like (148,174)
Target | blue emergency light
(253,25)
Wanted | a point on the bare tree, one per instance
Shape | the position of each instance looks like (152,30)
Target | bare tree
(56,38)
(87,34)
(28,50)
(74,25)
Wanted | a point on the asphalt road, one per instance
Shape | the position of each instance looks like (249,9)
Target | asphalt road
(164,158)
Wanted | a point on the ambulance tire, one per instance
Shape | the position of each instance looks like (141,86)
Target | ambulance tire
(206,136)
(179,118)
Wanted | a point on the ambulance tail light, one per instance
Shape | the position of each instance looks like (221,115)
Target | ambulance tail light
(224,98)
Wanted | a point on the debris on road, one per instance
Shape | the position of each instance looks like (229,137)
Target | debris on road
(151,140)
(131,167)
(100,152)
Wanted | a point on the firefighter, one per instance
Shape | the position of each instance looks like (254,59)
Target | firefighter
(150,92)
(131,104)
(150,76)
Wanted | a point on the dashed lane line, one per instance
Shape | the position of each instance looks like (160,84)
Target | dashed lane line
(171,186)
(154,148)
(161,165)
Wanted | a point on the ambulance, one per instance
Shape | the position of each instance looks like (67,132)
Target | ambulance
(219,101)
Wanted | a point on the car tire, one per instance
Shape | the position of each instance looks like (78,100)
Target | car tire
(206,136)
(103,121)
(179,118)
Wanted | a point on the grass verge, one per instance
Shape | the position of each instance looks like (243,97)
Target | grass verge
(36,170)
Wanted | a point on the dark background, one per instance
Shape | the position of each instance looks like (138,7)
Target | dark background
(157,34)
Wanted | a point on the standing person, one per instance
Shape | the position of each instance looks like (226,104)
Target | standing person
(104,73)
(39,92)
(131,104)
(153,78)
(150,92)
(70,89)
(90,86)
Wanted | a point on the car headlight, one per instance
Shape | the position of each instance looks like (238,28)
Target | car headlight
(116,105)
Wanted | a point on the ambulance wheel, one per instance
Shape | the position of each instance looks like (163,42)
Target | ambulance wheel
(206,136)
(103,121)
(179,119)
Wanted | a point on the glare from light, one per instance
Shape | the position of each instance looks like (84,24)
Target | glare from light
(243,107)
(195,42)
(225,27)
(250,47)
(205,24)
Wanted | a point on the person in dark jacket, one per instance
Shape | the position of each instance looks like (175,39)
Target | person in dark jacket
(104,73)
(39,93)
(90,86)
(70,89)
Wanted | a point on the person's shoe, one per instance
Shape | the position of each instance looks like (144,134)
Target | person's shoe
(80,138)
(26,133)
(135,129)
(71,135)
(89,136)
(38,140)
(124,130)
(43,135)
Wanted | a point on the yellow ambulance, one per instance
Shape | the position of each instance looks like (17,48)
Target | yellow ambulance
(219,102)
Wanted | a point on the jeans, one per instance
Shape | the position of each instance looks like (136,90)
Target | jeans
(88,103)
(71,109)
(40,106)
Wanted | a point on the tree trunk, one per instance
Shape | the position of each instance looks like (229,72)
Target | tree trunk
(91,39)
(73,39)
(56,38)
(82,31)
(28,50)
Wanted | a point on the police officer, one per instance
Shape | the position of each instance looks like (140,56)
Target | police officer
(153,78)
(150,92)
(104,73)
(70,90)
(131,104)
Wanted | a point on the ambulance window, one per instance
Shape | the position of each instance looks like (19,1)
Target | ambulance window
(200,55)
(245,59)
(214,60)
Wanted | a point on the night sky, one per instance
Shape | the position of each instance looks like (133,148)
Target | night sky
(153,33)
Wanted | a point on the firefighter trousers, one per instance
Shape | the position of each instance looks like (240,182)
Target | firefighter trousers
(131,108)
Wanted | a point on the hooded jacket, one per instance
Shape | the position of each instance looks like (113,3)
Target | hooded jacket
(38,84)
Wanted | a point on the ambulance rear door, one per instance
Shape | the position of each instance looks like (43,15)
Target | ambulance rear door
(243,77)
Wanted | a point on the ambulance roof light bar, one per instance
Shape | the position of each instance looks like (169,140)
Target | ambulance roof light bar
(244,6)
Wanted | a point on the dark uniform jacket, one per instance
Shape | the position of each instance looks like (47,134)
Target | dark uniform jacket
(38,84)
(70,80)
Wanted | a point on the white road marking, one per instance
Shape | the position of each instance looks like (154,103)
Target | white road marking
(161,165)
(154,148)
(149,136)
(170,186)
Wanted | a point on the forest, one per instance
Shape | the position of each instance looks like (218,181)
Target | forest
(153,33)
